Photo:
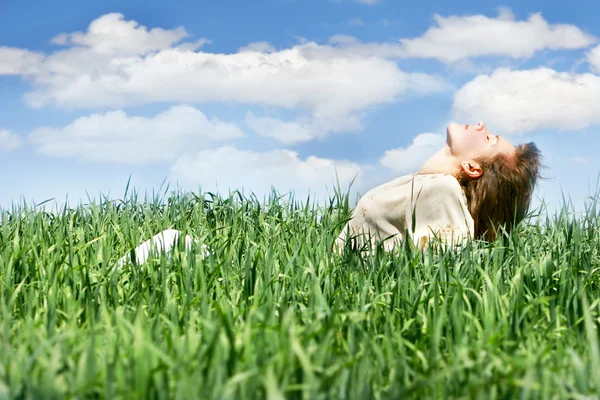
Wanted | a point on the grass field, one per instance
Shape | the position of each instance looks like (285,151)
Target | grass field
(273,313)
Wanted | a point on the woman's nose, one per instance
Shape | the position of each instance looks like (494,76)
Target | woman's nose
(480,126)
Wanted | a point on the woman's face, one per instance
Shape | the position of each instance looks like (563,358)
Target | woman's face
(469,142)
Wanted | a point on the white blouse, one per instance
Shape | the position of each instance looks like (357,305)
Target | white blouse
(385,213)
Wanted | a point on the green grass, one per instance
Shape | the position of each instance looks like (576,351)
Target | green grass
(273,313)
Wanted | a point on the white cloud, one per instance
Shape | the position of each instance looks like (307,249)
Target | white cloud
(287,78)
(116,137)
(15,61)
(228,168)
(456,38)
(515,102)
(343,40)
(593,57)
(302,129)
(9,141)
(404,160)
(260,47)
(112,35)
(282,131)
(118,63)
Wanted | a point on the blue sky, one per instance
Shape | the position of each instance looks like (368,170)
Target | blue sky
(234,94)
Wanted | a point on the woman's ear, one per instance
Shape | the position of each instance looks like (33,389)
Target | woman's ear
(472,168)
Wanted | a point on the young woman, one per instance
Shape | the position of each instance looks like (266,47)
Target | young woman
(474,184)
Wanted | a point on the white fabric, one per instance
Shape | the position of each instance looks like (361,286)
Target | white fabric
(162,242)
(385,213)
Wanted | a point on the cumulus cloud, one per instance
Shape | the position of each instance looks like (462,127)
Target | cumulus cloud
(118,63)
(343,40)
(593,57)
(116,137)
(286,78)
(228,168)
(15,61)
(302,129)
(404,160)
(9,141)
(260,47)
(111,34)
(455,38)
(515,102)
(282,131)
(459,37)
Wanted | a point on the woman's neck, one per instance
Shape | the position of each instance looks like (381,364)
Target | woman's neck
(442,162)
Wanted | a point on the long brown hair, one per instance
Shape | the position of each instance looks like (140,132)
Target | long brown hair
(502,194)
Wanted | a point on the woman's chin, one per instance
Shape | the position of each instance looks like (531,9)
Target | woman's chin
(448,136)
(453,129)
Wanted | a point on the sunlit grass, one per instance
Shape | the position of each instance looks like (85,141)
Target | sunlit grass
(273,312)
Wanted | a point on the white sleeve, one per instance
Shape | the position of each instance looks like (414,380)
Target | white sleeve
(161,242)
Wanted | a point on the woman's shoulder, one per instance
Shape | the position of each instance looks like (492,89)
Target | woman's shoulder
(414,188)
(437,185)
(419,180)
